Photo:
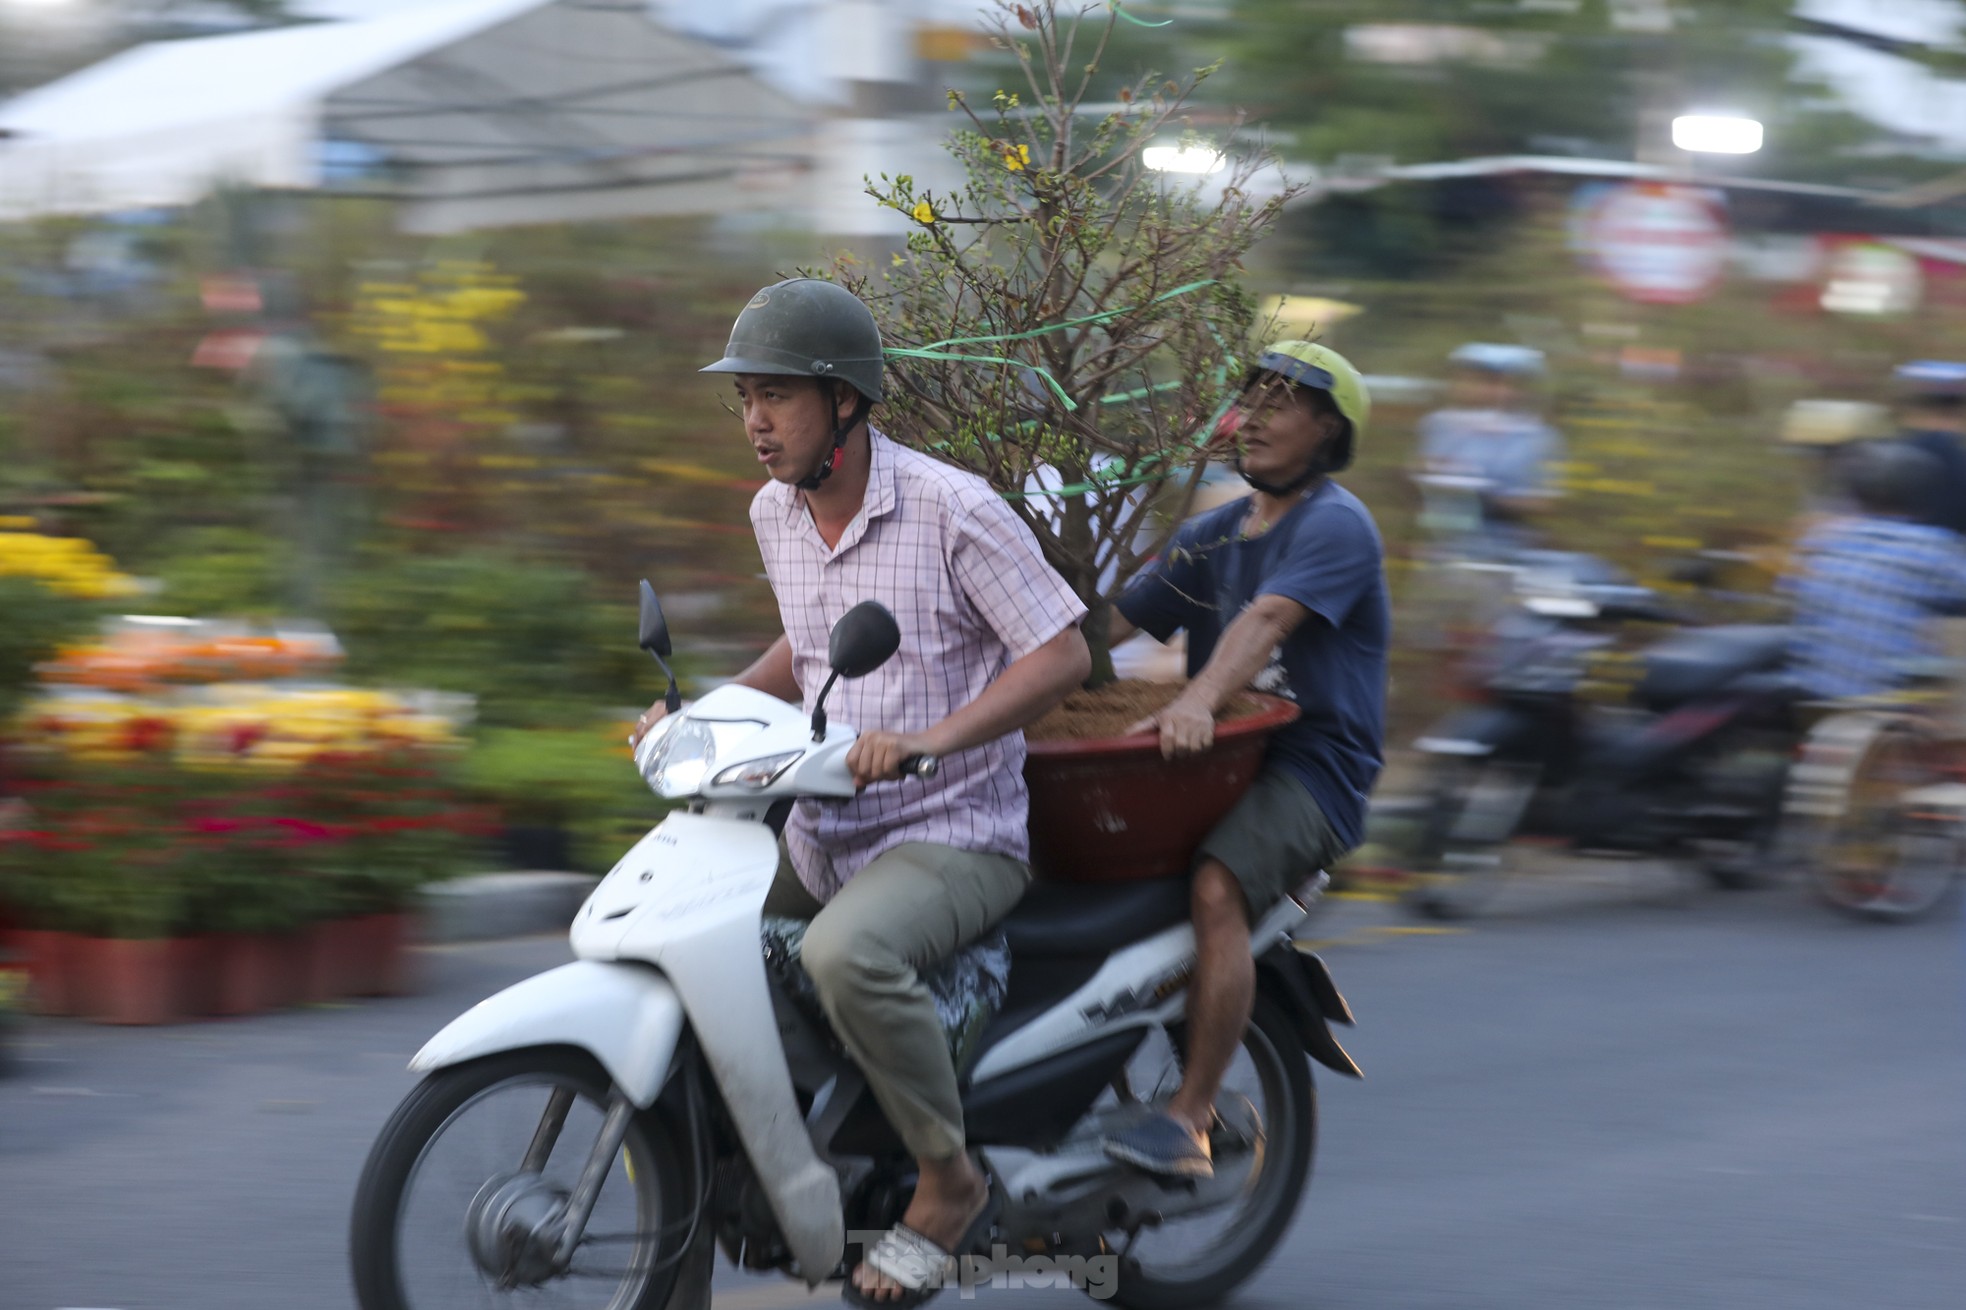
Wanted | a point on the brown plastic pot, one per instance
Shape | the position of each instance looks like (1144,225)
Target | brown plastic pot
(1113,810)
(135,982)
(384,966)
(254,973)
(51,963)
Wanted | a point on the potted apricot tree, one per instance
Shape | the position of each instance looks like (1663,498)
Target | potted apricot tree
(1070,324)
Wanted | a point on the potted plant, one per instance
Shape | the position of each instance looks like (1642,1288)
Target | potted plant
(1069,324)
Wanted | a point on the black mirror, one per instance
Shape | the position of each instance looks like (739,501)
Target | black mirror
(864,639)
(655,640)
(655,632)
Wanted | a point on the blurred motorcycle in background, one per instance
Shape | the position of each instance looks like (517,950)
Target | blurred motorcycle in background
(1692,764)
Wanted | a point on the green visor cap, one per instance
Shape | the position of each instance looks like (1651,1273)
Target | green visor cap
(1291,369)
(1306,364)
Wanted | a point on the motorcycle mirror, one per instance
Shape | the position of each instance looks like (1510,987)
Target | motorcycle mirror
(654,639)
(655,631)
(865,638)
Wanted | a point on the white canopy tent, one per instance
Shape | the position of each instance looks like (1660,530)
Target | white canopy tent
(472,112)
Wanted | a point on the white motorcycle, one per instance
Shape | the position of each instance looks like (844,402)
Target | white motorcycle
(590,1136)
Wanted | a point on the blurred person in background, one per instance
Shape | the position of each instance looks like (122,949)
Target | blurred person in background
(1483,463)
(901,876)
(1867,585)
(1282,590)
(1933,417)
(1825,433)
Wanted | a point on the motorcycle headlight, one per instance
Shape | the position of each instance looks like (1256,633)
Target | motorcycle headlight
(686,753)
(757,774)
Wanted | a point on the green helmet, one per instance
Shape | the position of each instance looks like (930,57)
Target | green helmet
(1307,364)
(805,327)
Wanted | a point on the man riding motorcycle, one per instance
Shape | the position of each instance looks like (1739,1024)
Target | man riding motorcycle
(903,875)
(1868,585)
(1282,591)
(1933,416)
(1491,437)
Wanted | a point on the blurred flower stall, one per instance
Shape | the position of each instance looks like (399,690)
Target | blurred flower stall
(182,841)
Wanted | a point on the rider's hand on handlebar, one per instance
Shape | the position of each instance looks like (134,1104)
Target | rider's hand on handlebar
(1186,727)
(656,714)
(878,756)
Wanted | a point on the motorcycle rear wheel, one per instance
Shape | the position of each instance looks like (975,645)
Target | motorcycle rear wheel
(426,1260)
(1879,849)
(1150,1279)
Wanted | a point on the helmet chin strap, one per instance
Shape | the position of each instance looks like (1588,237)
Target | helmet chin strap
(811,481)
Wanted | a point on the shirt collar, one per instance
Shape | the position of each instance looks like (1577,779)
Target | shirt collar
(879,498)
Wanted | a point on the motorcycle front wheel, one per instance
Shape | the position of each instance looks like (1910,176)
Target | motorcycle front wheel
(1474,807)
(444,1202)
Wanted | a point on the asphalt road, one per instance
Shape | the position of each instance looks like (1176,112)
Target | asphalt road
(1612,1092)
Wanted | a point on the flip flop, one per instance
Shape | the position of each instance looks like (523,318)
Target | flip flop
(920,1267)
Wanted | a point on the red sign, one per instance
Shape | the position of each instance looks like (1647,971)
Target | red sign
(1658,243)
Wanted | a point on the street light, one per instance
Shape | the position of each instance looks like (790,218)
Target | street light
(1716,134)
(1183,159)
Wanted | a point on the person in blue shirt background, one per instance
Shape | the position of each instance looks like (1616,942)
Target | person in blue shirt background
(1484,462)
(1282,591)
(1933,417)
(1867,585)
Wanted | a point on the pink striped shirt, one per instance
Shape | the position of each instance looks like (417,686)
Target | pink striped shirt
(971,593)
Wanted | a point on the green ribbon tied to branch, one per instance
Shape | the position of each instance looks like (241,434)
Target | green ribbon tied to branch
(1129,478)
(1119,11)
(939,349)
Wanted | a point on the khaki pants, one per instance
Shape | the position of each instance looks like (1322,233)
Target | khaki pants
(913,905)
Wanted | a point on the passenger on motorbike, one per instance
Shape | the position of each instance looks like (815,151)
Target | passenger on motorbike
(1933,417)
(1867,585)
(902,875)
(1281,591)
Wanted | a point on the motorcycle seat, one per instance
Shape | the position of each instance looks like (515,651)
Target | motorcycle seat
(1699,662)
(1057,918)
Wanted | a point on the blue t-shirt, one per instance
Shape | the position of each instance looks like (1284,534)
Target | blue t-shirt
(1324,553)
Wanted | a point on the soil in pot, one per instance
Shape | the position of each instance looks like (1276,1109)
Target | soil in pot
(1108,711)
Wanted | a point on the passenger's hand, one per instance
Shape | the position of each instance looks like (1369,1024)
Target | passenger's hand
(877,756)
(1186,726)
(656,714)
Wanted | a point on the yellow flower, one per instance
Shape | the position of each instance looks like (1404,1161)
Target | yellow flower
(924,212)
(1017,160)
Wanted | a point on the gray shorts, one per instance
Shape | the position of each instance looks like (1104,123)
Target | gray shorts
(1274,841)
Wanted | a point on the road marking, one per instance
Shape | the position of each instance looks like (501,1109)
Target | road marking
(1369,935)
(74,1091)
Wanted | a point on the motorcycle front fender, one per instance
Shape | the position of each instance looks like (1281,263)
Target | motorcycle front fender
(627,1016)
